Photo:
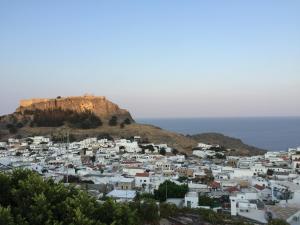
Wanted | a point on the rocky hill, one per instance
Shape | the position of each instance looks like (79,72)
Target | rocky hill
(98,105)
(70,114)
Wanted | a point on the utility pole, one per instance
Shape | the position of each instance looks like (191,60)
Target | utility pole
(166,190)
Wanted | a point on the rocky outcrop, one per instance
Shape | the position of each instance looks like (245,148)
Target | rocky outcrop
(99,105)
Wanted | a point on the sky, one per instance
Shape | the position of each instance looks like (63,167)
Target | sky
(155,58)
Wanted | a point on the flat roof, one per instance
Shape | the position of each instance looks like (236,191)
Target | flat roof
(122,194)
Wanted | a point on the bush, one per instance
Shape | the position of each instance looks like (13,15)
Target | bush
(127,121)
(211,216)
(12,128)
(220,156)
(19,154)
(149,147)
(113,121)
(175,151)
(84,120)
(145,195)
(162,151)
(167,210)
(147,211)
(58,117)
(207,201)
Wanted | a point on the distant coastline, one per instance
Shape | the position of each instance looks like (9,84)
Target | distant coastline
(271,133)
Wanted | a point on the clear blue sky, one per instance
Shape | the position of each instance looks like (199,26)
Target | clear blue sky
(155,58)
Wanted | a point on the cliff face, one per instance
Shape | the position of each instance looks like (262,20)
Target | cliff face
(100,106)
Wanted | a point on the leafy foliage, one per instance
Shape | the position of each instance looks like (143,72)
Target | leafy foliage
(182,179)
(5,216)
(220,156)
(167,210)
(58,117)
(25,198)
(162,151)
(147,210)
(207,201)
(171,190)
(211,216)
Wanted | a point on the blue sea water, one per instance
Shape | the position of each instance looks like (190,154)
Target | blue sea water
(271,133)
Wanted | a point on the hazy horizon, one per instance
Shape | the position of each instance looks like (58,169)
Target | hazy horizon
(158,59)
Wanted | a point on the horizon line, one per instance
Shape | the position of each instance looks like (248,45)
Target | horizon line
(220,117)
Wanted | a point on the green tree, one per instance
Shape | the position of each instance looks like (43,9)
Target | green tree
(26,198)
(171,190)
(124,215)
(40,212)
(162,151)
(80,218)
(5,190)
(5,216)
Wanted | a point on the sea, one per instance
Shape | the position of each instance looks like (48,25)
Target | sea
(270,133)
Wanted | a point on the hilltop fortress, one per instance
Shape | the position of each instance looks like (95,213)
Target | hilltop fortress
(99,105)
